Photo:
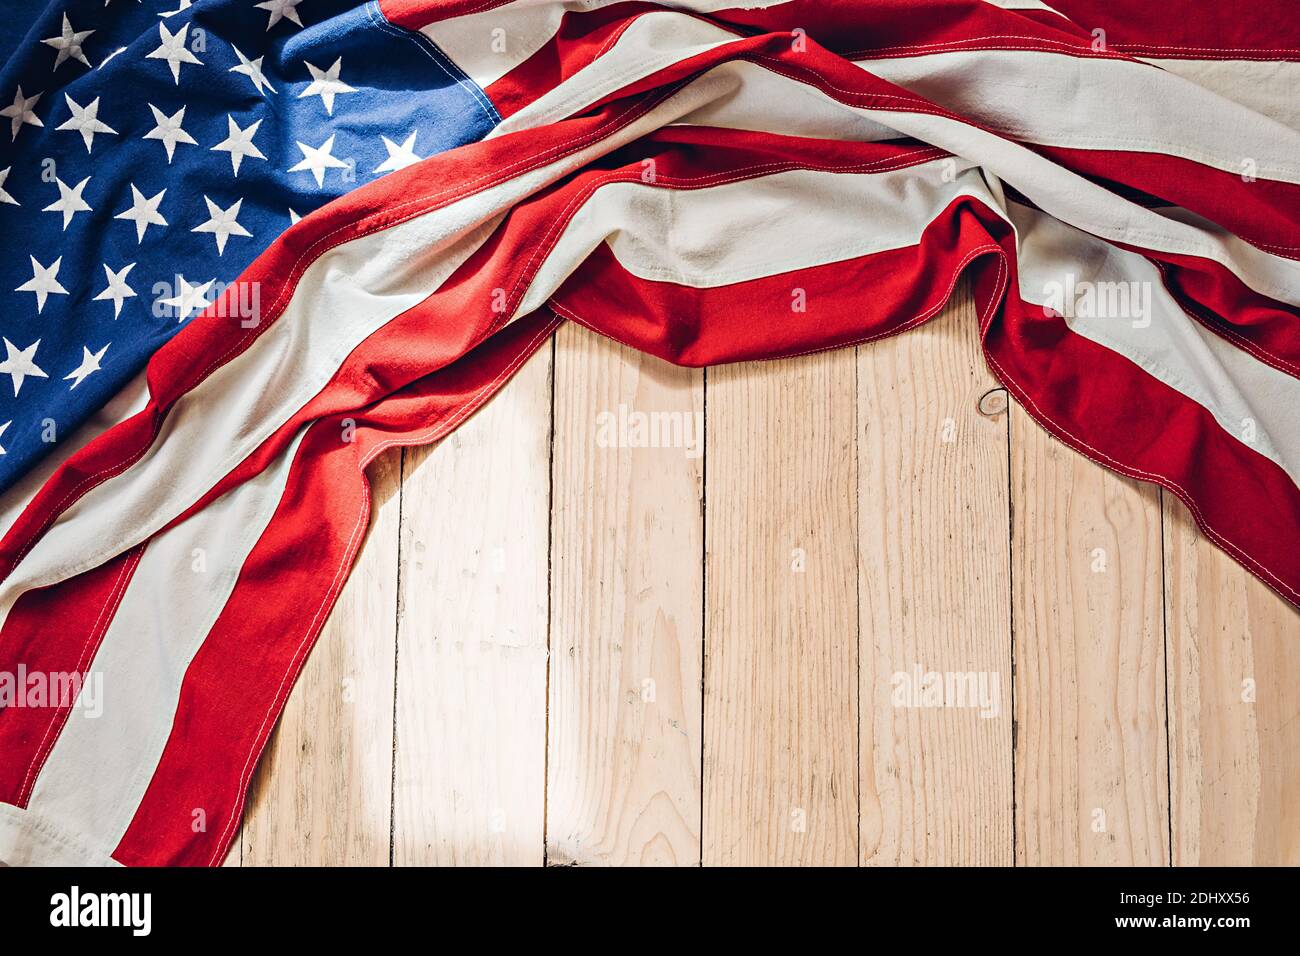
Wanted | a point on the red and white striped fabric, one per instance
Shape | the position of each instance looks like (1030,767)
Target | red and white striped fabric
(674,176)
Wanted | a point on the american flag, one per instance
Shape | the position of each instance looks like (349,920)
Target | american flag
(252,245)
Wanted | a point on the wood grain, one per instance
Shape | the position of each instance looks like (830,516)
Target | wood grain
(934,575)
(1091,760)
(780,690)
(471,659)
(1234,707)
(726,633)
(322,794)
(625,699)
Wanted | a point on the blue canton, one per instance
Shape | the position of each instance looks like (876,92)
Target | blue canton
(149,151)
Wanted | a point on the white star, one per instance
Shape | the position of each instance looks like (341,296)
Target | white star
(251,69)
(85,120)
(189,299)
(69,202)
(318,159)
(44,281)
(69,44)
(280,9)
(326,84)
(294,218)
(222,224)
(89,363)
(18,364)
(2,431)
(185,5)
(173,50)
(22,112)
(239,143)
(169,130)
(117,288)
(143,212)
(399,157)
(4,196)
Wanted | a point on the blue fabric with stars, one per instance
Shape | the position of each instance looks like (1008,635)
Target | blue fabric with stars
(170,144)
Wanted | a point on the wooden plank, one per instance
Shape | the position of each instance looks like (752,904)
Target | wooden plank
(623,777)
(780,688)
(935,676)
(1091,757)
(322,795)
(470,758)
(1234,707)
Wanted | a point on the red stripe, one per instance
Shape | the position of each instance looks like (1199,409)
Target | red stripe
(49,631)
(1261,211)
(693,326)
(884,28)
(239,680)
(1265,29)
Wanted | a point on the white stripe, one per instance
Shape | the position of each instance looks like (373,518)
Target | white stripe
(131,399)
(1024,5)
(765,101)
(361,285)
(1097,103)
(1250,400)
(661,233)
(29,839)
(1269,87)
(488,45)
(653,42)
(100,767)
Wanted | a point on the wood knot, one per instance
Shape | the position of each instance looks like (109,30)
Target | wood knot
(993,402)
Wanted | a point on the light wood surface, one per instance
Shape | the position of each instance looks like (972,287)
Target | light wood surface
(877,617)
(470,741)
(934,577)
(1091,764)
(780,687)
(623,781)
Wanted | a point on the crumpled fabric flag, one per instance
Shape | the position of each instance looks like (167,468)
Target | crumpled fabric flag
(705,182)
